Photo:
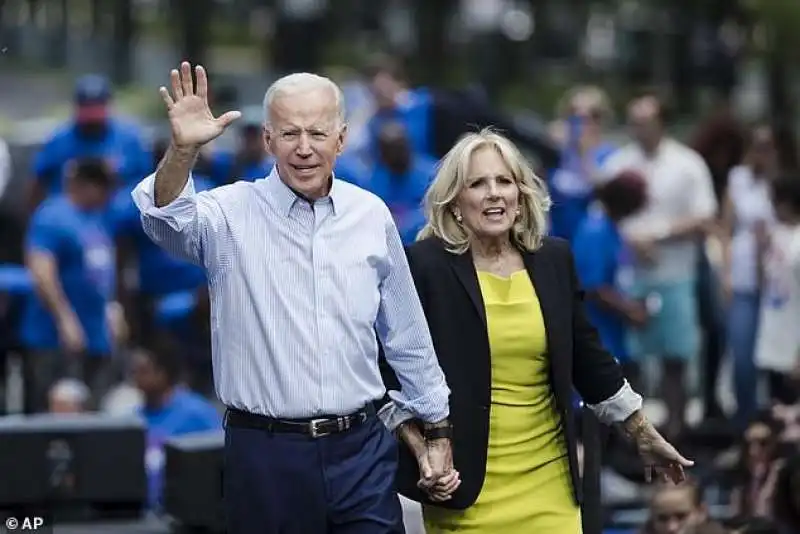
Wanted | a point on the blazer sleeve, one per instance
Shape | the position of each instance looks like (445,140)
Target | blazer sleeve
(596,374)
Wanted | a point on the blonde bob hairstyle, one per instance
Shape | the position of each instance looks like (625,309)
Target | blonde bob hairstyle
(451,178)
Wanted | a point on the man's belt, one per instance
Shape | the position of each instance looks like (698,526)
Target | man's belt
(316,427)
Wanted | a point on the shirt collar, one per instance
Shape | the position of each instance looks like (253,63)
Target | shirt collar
(285,197)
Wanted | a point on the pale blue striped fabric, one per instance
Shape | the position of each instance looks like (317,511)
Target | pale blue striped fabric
(297,292)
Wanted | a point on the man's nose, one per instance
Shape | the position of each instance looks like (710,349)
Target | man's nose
(304,146)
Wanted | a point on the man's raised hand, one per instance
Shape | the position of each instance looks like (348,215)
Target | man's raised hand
(190,117)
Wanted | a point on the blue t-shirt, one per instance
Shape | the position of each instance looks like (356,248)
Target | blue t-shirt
(603,260)
(353,167)
(159,272)
(223,169)
(571,190)
(84,253)
(403,194)
(414,114)
(122,147)
(185,413)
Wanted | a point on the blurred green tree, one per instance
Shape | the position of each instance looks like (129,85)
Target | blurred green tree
(779,21)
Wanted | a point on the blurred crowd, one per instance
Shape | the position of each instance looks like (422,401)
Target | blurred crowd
(689,252)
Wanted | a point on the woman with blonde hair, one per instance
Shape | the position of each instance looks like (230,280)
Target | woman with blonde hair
(505,313)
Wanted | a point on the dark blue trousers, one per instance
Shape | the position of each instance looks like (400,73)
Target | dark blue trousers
(280,483)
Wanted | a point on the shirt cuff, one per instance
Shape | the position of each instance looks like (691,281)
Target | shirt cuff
(618,407)
(392,416)
(174,213)
(430,408)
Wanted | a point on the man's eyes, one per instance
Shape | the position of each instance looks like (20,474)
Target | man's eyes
(320,136)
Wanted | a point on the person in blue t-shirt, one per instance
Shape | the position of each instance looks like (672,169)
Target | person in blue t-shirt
(401,178)
(69,251)
(159,274)
(169,409)
(583,153)
(92,133)
(605,265)
(249,161)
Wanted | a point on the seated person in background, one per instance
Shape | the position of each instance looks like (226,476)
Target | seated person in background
(169,409)
(400,178)
(786,500)
(248,161)
(159,274)
(756,525)
(93,132)
(68,395)
(66,327)
(678,509)
(759,466)
(778,338)
(603,261)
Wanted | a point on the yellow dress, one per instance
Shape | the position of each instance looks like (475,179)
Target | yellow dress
(527,487)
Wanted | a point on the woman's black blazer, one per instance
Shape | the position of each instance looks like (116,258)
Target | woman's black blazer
(448,289)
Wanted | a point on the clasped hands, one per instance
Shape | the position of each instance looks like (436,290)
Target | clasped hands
(438,478)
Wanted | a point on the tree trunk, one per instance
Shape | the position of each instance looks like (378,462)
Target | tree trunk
(193,19)
(123,41)
(432,40)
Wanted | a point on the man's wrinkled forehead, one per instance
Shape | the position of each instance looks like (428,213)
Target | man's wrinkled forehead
(305,109)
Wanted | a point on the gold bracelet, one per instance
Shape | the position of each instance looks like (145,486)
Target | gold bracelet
(639,428)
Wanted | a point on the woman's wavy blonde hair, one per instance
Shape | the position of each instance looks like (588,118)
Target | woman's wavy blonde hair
(451,177)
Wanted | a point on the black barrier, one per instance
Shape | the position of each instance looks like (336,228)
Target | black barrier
(193,481)
(592,509)
(78,466)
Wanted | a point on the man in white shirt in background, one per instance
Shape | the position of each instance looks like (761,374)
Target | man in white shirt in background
(664,239)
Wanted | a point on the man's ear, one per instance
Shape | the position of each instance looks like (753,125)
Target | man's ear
(342,139)
(267,136)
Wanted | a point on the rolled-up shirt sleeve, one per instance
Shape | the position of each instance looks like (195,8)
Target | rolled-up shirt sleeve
(408,347)
(187,227)
(617,408)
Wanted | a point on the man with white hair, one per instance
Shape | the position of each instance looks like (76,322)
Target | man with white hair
(303,270)
(68,396)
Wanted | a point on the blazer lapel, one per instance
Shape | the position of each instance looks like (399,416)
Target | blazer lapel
(465,272)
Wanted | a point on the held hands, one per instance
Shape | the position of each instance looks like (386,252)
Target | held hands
(435,459)
(190,117)
(657,455)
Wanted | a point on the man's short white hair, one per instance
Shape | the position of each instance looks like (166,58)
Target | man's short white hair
(300,82)
(70,390)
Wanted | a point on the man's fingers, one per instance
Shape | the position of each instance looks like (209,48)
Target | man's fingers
(227,118)
(202,81)
(175,83)
(164,92)
(187,83)
(446,481)
(448,487)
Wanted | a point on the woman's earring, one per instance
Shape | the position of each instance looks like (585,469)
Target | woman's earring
(516,214)
(459,218)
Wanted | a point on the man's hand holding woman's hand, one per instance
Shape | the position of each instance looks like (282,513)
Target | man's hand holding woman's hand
(438,478)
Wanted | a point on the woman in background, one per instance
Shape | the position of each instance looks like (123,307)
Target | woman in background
(679,509)
(747,215)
